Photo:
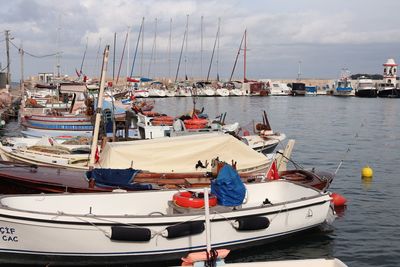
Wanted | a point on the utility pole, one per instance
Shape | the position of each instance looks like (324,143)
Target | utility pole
(7,33)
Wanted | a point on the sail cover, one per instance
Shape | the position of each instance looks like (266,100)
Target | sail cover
(181,154)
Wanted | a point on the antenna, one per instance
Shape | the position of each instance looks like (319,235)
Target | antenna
(299,71)
(58,55)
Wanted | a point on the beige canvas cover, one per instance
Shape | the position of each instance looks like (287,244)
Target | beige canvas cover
(181,154)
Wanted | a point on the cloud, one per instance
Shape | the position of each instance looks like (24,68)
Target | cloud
(279,32)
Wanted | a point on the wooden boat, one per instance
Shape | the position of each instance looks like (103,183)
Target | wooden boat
(118,228)
(58,156)
(264,140)
(17,178)
(55,125)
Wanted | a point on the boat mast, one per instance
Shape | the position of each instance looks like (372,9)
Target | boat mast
(122,56)
(115,47)
(141,58)
(180,55)
(201,46)
(137,46)
(153,49)
(84,56)
(97,58)
(186,47)
(212,54)
(21,51)
(128,57)
(237,57)
(99,107)
(7,33)
(169,48)
(219,28)
(244,56)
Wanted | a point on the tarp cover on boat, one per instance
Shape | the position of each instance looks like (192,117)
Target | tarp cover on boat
(116,177)
(228,187)
(181,154)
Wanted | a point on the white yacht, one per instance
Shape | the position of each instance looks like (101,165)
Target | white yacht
(279,89)
(365,87)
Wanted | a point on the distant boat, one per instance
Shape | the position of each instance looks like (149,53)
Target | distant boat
(343,86)
(279,89)
(311,90)
(365,88)
(298,89)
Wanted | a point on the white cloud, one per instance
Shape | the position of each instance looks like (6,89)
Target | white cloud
(278,31)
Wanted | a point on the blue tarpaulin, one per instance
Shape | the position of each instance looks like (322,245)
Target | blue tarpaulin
(121,178)
(228,187)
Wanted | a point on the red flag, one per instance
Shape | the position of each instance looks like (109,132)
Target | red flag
(273,173)
(97,155)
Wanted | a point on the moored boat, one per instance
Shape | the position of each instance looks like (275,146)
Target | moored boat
(117,229)
(343,86)
(365,88)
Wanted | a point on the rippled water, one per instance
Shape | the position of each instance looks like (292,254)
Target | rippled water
(325,127)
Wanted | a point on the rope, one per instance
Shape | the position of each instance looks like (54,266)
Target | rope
(296,165)
(153,233)
(348,149)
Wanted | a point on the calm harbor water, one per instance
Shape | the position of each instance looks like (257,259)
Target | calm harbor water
(327,130)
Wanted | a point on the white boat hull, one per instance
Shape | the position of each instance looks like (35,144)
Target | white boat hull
(82,225)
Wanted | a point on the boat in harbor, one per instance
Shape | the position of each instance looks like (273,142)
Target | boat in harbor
(298,89)
(365,87)
(389,87)
(45,151)
(49,228)
(343,86)
(311,90)
(57,125)
(277,88)
(265,140)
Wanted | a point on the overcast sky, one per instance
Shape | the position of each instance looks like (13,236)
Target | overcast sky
(325,36)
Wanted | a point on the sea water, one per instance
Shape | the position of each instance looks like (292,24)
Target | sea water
(328,130)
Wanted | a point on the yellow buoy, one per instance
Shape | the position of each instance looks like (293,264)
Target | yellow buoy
(367,172)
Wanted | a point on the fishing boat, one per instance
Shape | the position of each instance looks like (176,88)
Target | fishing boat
(57,125)
(343,86)
(265,140)
(181,154)
(47,152)
(49,228)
